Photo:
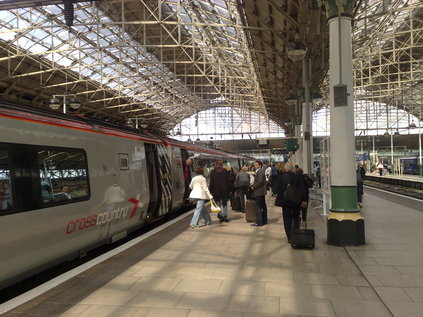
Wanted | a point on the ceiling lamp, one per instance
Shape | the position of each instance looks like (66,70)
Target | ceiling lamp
(296,50)
(74,103)
(412,125)
(291,100)
(54,103)
(316,96)
(386,133)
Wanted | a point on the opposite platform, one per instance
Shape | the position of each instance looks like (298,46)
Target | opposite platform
(234,269)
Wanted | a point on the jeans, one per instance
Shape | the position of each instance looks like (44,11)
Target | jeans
(200,211)
(261,210)
(223,204)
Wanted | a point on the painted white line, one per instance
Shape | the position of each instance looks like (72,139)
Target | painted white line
(25,297)
(412,198)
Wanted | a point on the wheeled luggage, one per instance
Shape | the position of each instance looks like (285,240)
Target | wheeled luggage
(250,211)
(302,238)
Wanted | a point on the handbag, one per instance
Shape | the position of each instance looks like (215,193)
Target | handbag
(250,194)
(214,207)
(293,194)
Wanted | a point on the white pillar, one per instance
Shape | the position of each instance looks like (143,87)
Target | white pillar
(341,117)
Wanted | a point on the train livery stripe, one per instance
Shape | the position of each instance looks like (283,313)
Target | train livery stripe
(165,177)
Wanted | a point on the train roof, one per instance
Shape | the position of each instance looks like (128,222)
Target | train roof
(88,124)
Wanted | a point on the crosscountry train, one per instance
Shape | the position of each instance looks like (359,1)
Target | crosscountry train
(69,184)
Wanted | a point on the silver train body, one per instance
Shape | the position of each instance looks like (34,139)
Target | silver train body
(68,185)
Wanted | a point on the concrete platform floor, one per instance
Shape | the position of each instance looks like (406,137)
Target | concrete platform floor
(235,270)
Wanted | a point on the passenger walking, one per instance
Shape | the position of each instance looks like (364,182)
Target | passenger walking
(220,187)
(273,178)
(200,193)
(232,175)
(242,183)
(260,191)
(290,209)
(360,184)
(380,168)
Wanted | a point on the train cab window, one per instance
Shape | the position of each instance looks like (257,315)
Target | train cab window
(6,201)
(63,175)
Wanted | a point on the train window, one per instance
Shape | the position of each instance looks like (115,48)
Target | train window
(63,175)
(6,201)
(124,161)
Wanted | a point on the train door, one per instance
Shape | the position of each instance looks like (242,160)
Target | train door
(165,179)
(178,186)
(187,172)
(153,181)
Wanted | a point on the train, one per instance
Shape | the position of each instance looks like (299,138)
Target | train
(410,165)
(70,184)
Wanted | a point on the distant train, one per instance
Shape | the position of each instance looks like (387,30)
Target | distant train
(68,185)
(410,165)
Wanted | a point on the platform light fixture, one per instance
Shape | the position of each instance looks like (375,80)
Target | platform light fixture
(316,95)
(296,50)
(291,100)
(74,103)
(412,125)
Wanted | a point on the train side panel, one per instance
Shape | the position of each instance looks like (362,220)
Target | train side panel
(118,199)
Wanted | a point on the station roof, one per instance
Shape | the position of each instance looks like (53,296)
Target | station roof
(165,60)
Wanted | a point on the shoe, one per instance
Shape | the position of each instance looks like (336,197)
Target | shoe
(256,225)
(360,205)
(225,219)
(193,227)
(208,223)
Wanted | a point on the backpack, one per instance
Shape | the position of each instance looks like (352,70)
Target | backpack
(308,181)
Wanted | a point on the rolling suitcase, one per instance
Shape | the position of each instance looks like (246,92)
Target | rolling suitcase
(302,238)
(250,211)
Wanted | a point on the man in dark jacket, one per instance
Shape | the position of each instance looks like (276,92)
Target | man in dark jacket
(242,183)
(260,189)
(220,186)
(290,210)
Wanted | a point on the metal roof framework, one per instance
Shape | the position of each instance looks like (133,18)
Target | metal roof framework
(388,59)
(163,60)
(166,60)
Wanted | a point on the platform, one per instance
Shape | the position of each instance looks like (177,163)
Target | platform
(408,177)
(235,270)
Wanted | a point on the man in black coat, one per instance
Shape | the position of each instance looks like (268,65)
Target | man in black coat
(260,190)
(220,186)
(290,210)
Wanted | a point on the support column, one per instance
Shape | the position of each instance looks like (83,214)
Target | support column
(345,223)
(298,158)
(306,110)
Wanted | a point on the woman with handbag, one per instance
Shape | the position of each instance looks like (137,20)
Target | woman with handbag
(291,193)
(199,192)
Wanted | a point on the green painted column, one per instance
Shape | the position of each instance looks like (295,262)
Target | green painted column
(345,223)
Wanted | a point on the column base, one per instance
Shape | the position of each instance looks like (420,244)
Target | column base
(345,229)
